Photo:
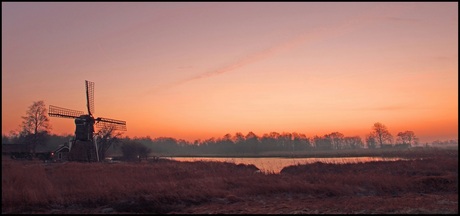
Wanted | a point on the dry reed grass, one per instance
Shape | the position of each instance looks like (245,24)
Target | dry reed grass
(165,186)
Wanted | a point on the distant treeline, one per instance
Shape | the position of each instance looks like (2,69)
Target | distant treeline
(238,144)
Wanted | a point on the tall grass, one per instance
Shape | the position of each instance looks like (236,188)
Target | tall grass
(161,187)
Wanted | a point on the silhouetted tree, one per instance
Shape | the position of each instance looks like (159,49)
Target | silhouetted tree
(407,137)
(35,125)
(226,143)
(239,140)
(381,134)
(238,137)
(13,137)
(227,137)
(371,141)
(285,141)
(209,146)
(252,142)
(300,142)
(323,142)
(133,150)
(336,139)
(270,141)
(164,145)
(5,139)
(354,142)
(106,137)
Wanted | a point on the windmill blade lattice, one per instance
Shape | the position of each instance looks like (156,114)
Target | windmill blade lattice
(90,97)
(106,122)
(56,111)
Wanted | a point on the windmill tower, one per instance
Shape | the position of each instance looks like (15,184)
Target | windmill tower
(84,146)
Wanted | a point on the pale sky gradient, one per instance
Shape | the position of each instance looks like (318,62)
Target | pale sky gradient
(201,70)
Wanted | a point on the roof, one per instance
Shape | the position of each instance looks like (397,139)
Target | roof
(62,148)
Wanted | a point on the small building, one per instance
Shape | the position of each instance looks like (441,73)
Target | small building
(61,153)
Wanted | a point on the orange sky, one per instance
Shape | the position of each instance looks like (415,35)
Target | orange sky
(201,70)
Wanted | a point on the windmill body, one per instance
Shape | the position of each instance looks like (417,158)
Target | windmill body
(84,128)
(84,146)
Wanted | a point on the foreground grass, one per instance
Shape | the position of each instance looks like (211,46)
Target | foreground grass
(168,186)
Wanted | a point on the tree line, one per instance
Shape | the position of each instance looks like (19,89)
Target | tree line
(35,130)
(240,144)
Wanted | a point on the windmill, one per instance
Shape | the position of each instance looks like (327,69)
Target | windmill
(84,146)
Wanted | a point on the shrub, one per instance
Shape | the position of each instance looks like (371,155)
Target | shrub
(133,150)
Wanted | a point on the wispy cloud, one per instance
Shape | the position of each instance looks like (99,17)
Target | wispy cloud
(309,36)
(400,19)
(391,108)
(387,108)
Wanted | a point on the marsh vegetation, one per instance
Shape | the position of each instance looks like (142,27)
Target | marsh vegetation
(428,183)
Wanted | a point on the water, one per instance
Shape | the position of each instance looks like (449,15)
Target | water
(275,165)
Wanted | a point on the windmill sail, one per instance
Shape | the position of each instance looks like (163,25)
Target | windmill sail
(90,97)
(63,112)
(106,122)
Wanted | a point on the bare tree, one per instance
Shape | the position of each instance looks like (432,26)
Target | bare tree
(106,137)
(407,137)
(133,150)
(35,125)
(336,139)
(353,142)
(370,141)
(300,142)
(381,134)
(238,137)
(252,142)
(227,137)
(322,142)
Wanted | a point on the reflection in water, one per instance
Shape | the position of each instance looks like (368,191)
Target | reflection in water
(275,165)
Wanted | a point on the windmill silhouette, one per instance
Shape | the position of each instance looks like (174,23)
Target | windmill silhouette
(84,146)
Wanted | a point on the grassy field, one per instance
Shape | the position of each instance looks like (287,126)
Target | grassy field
(216,187)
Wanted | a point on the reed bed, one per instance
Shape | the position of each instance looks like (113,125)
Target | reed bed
(165,186)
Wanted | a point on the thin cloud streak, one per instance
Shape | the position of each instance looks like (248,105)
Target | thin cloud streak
(399,19)
(391,108)
(310,36)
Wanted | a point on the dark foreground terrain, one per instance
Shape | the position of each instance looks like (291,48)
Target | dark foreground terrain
(426,184)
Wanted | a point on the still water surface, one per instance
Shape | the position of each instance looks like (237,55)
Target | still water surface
(275,165)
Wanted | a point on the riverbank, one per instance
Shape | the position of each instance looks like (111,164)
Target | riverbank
(413,152)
